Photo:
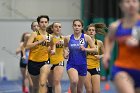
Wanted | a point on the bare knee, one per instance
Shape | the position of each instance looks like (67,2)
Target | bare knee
(121,79)
(42,84)
(74,83)
(56,82)
(89,90)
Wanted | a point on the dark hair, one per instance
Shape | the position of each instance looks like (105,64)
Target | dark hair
(42,16)
(23,35)
(49,29)
(91,25)
(80,22)
(101,28)
(54,23)
(32,24)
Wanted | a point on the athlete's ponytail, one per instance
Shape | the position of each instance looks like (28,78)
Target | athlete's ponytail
(101,28)
(49,29)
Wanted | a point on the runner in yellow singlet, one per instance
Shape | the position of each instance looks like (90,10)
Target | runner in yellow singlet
(92,82)
(38,65)
(58,59)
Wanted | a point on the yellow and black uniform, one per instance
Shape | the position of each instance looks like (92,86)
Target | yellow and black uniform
(58,58)
(93,64)
(38,55)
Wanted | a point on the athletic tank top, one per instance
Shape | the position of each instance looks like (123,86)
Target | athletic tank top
(58,57)
(92,61)
(76,55)
(128,57)
(25,61)
(39,53)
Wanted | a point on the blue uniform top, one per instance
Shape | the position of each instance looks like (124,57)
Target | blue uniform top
(125,31)
(76,55)
(25,61)
(127,56)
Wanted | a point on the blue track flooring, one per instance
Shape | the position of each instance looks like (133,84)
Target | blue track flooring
(15,87)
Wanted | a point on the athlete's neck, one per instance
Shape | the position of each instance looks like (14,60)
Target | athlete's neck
(132,18)
(92,37)
(56,35)
(43,31)
(130,21)
(77,35)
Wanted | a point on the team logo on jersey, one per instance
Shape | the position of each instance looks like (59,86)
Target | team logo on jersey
(62,41)
(82,41)
(48,38)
